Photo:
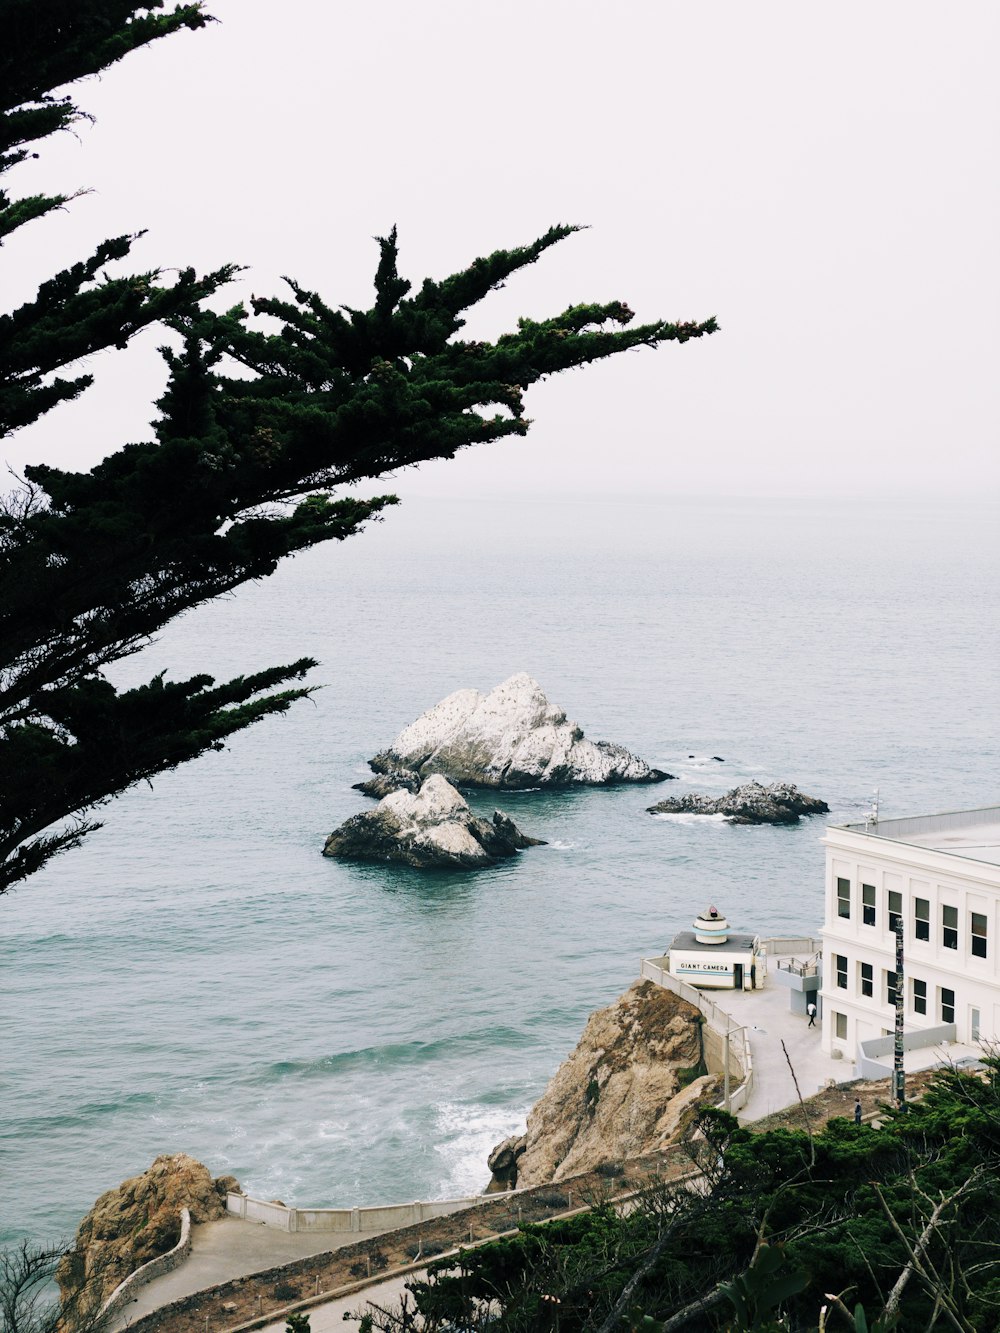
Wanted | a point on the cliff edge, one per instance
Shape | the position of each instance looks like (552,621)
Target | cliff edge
(134,1223)
(623,1093)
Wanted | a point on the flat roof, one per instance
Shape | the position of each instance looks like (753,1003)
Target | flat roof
(973,834)
(736,942)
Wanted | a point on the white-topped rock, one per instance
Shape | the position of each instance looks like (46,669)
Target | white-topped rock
(432,828)
(511,737)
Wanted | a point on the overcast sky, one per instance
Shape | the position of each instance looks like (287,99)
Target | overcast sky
(822,178)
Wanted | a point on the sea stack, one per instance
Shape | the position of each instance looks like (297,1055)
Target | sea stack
(432,829)
(510,738)
(753,803)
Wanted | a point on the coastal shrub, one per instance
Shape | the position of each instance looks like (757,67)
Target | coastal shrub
(297,1323)
(551,1199)
(687,1075)
(286,1291)
(424,1249)
(374,1262)
(610,1170)
(784,1218)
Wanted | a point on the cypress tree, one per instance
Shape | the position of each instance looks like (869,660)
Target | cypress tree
(256,435)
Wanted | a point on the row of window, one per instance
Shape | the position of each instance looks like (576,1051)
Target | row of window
(918,989)
(921,917)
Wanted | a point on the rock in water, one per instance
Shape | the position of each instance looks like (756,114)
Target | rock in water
(433,828)
(134,1223)
(396,779)
(512,737)
(753,803)
(619,1095)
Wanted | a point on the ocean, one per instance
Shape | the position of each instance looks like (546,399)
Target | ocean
(199,978)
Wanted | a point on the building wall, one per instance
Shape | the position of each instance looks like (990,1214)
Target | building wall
(938,879)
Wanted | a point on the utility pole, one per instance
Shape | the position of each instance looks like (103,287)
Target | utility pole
(898,1074)
(725,1064)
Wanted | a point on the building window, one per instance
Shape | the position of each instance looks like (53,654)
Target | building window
(978,935)
(868,904)
(947,1005)
(843,897)
(921,918)
(890,987)
(895,909)
(840,967)
(867,979)
(919,996)
(840,1026)
(949,928)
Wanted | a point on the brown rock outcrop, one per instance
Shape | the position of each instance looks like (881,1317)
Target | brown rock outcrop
(622,1093)
(136,1222)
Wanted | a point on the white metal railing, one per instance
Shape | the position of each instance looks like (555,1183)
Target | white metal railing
(809,969)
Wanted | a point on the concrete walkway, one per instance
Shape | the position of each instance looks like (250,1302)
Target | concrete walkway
(229,1248)
(769,1021)
(329,1317)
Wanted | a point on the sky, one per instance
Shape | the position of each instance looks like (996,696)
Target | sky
(821,178)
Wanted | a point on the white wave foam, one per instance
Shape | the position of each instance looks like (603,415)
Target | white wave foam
(687,818)
(561,846)
(465,1136)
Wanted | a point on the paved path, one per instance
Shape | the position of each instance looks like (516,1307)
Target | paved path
(329,1317)
(228,1248)
(769,1021)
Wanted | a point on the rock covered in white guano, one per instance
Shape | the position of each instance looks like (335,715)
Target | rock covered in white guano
(511,737)
(624,1092)
(431,828)
(753,803)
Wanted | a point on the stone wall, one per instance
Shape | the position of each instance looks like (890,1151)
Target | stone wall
(163,1263)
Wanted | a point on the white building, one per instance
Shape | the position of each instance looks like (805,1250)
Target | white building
(711,955)
(941,875)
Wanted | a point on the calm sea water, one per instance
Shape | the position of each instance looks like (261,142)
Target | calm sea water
(199,978)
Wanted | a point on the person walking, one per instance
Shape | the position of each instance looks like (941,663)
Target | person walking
(857,1112)
(811,1011)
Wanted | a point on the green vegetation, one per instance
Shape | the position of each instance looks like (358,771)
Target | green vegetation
(256,435)
(897,1227)
(688,1075)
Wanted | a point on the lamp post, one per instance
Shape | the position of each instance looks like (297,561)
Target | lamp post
(898,1074)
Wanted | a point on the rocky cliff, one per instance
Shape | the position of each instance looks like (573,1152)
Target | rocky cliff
(134,1223)
(511,737)
(753,803)
(622,1093)
(433,829)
